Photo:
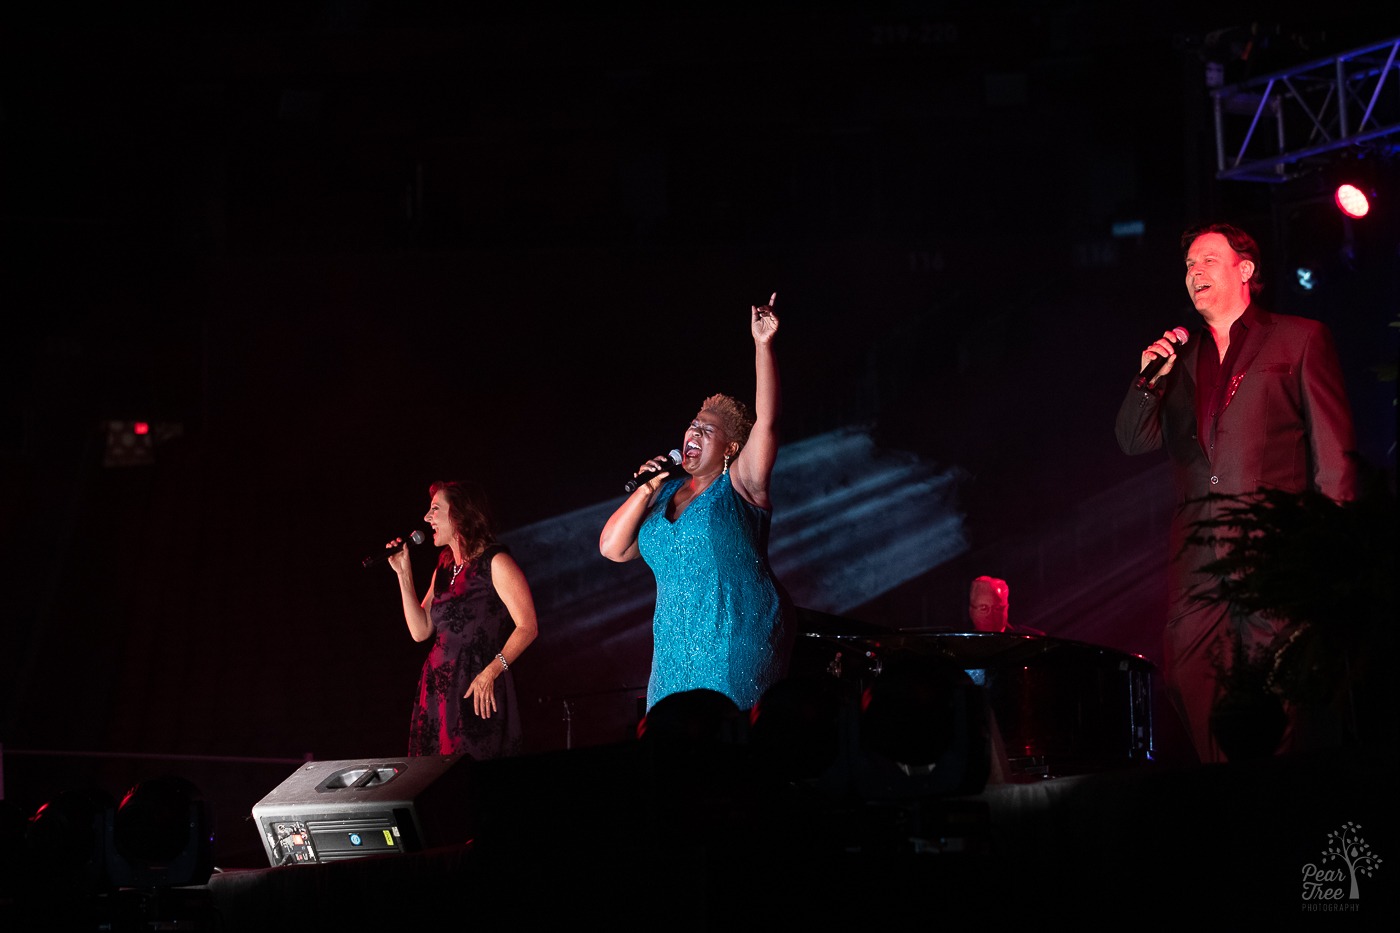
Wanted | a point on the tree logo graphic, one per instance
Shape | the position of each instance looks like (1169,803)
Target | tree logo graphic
(1345,847)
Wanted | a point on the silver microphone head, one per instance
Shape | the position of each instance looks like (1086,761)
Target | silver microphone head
(417,537)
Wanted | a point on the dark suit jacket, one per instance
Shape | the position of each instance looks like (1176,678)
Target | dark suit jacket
(1286,424)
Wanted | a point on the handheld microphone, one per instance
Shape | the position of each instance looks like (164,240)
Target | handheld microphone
(647,476)
(416,538)
(1154,365)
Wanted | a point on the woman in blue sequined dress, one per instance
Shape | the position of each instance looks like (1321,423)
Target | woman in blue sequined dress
(722,621)
(480,614)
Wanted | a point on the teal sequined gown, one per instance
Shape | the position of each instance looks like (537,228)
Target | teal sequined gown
(722,619)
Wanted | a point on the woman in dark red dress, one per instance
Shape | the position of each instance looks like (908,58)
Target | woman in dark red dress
(481,617)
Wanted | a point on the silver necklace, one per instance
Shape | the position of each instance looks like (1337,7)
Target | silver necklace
(456,569)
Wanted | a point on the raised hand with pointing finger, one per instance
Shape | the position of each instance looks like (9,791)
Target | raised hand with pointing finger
(765,320)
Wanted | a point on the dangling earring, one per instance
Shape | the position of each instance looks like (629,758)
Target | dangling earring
(726,464)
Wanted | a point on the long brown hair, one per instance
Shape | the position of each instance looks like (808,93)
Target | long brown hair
(471,517)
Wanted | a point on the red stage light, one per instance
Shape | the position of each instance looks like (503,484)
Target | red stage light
(141,427)
(1352,201)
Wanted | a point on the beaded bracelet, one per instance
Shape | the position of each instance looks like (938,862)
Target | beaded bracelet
(502,659)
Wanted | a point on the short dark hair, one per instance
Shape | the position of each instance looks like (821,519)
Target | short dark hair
(1241,242)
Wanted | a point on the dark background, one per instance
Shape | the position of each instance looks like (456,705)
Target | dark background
(334,251)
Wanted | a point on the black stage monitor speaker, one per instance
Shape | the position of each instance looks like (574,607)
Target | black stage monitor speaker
(333,810)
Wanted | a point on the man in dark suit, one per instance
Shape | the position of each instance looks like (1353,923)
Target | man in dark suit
(1251,400)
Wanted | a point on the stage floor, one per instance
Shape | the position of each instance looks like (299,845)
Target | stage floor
(602,836)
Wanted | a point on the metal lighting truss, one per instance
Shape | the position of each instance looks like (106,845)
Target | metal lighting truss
(1279,126)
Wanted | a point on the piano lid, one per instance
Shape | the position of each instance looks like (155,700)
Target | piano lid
(971,649)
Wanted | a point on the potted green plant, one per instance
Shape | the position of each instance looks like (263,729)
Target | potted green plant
(1325,572)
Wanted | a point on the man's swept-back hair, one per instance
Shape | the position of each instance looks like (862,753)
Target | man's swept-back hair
(1239,241)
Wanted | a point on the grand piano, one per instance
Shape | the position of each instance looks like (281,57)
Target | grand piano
(1060,707)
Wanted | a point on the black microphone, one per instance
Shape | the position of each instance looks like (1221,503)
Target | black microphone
(1154,365)
(647,476)
(416,538)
